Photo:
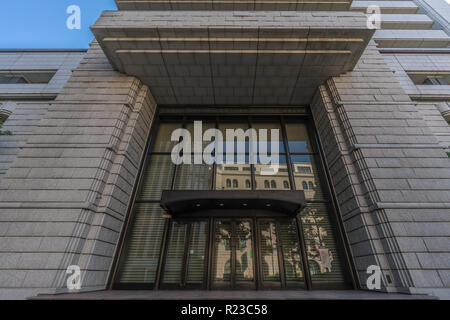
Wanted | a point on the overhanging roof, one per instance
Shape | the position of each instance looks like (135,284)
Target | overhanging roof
(186,203)
(232,57)
(299,5)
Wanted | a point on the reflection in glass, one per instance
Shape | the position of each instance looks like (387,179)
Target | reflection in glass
(233,176)
(205,126)
(291,251)
(230,142)
(279,180)
(267,139)
(298,138)
(321,246)
(269,251)
(140,261)
(306,176)
(244,251)
(222,243)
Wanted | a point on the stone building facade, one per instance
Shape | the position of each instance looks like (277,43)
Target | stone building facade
(80,172)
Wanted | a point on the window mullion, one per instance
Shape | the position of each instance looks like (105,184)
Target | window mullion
(288,154)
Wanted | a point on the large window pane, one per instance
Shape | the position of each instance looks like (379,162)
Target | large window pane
(306,176)
(269,250)
(26,76)
(196,253)
(222,243)
(233,177)
(157,177)
(163,141)
(175,253)
(140,262)
(233,145)
(320,236)
(271,127)
(193,177)
(244,251)
(190,125)
(291,251)
(298,137)
(273,176)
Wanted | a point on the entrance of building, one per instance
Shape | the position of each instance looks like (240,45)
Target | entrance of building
(229,226)
(233,253)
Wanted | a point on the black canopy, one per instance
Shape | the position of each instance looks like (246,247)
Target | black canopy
(186,203)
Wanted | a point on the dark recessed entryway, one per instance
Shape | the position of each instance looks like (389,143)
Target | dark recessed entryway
(229,226)
(239,253)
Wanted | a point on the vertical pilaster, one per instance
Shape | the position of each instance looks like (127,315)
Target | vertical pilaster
(64,199)
(391,176)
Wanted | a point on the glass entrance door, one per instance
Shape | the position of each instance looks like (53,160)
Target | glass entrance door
(256,253)
(233,264)
(280,254)
(184,266)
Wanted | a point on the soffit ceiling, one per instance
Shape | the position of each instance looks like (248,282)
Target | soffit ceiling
(232,58)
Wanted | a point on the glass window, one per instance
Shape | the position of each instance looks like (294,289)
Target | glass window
(196,253)
(302,169)
(193,177)
(266,139)
(179,247)
(163,141)
(12,79)
(224,177)
(277,173)
(269,251)
(222,243)
(231,143)
(291,251)
(307,178)
(320,239)
(435,81)
(232,252)
(157,177)
(205,125)
(140,261)
(26,76)
(298,138)
(244,251)
(175,253)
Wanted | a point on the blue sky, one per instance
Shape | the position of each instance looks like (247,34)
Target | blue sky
(41,24)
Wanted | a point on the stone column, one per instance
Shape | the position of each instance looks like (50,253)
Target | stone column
(391,177)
